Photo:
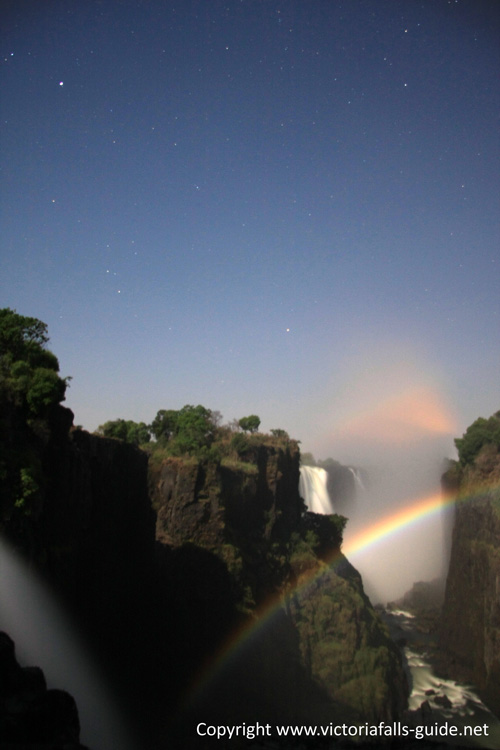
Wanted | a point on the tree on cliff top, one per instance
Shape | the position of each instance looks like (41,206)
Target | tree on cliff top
(136,433)
(195,429)
(164,424)
(250,424)
(188,430)
(480,432)
(28,371)
(30,388)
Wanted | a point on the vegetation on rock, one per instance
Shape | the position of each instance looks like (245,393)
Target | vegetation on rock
(136,433)
(30,391)
(29,377)
(481,432)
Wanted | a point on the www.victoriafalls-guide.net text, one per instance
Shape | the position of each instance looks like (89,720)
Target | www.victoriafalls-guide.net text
(396,729)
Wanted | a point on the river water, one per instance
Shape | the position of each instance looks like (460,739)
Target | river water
(444,700)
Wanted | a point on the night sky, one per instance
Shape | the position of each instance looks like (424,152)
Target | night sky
(282,208)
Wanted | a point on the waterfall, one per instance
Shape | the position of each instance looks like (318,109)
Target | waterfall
(360,487)
(313,488)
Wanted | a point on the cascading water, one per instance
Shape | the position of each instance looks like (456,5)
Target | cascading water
(313,488)
(358,482)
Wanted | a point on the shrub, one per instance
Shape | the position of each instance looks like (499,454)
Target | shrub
(279,433)
(240,443)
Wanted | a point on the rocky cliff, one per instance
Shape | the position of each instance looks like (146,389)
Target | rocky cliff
(88,530)
(32,717)
(330,654)
(470,634)
(243,513)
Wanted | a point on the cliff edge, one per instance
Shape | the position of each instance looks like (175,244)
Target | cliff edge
(470,632)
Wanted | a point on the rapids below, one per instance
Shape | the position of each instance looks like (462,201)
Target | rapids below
(435,699)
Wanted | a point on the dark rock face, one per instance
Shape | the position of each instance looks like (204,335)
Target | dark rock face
(91,537)
(242,516)
(346,648)
(92,511)
(423,597)
(210,505)
(188,499)
(30,715)
(470,633)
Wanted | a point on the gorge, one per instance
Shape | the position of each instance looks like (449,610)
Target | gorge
(204,583)
(195,555)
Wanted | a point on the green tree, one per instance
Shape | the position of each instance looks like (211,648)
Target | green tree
(20,336)
(480,432)
(164,425)
(28,371)
(136,433)
(189,430)
(30,390)
(250,424)
(115,428)
(45,389)
(194,430)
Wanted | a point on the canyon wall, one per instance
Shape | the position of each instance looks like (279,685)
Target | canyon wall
(470,633)
(88,531)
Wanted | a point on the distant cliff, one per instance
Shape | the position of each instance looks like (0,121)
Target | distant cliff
(470,634)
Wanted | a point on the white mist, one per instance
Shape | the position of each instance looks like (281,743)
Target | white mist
(43,638)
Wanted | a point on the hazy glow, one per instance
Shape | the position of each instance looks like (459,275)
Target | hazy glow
(405,417)
(389,401)
(391,420)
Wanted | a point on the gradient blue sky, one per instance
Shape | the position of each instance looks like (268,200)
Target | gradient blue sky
(282,208)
